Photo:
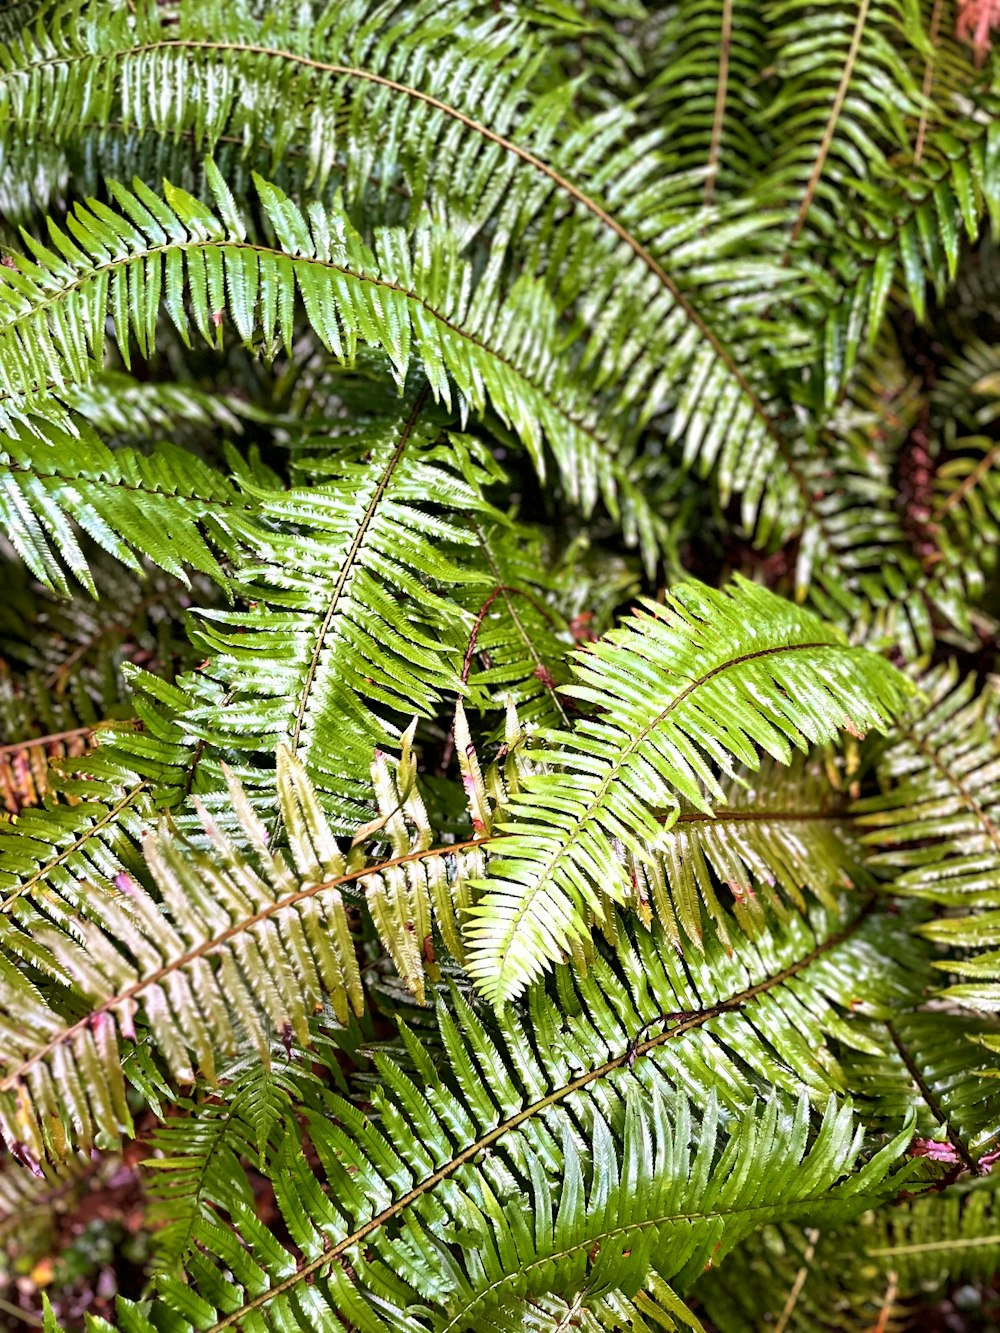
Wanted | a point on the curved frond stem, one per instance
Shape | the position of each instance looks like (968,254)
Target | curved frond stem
(229,245)
(928,84)
(578,195)
(932,1102)
(684,1023)
(532,160)
(788,1309)
(831,124)
(885,1314)
(944,1245)
(719,113)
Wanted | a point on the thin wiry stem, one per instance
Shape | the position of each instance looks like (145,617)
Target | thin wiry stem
(719,114)
(831,125)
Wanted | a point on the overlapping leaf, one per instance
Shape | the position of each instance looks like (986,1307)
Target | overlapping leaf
(681,690)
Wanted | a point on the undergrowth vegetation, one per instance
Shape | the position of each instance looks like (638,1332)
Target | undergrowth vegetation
(499,514)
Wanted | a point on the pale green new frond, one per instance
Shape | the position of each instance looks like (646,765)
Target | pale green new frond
(684,689)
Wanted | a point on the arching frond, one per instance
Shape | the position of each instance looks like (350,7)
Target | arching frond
(698,682)
(409,296)
(163,506)
(460,1205)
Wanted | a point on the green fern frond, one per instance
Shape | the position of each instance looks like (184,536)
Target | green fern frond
(701,681)
(888,1266)
(704,70)
(409,296)
(642,1175)
(777,835)
(162,506)
(196,1157)
(933,1067)
(90,836)
(656,1307)
(847,93)
(352,624)
(936,827)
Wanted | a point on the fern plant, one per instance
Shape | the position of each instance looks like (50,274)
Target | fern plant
(499,750)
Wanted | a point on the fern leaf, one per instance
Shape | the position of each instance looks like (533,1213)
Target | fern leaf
(937,824)
(408,297)
(699,682)
(233,946)
(159,506)
(645,1175)
(349,628)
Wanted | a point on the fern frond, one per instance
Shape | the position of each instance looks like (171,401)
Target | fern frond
(698,682)
(107,800)
(933,1067)
(410,296)
(462,1210)
(703,73)
(350,628)
(162,506)
(777,835)
(518,641)
(888,1266)
(847,93)
(232,946)
(656,1307)
(196,1156)
(936,827)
